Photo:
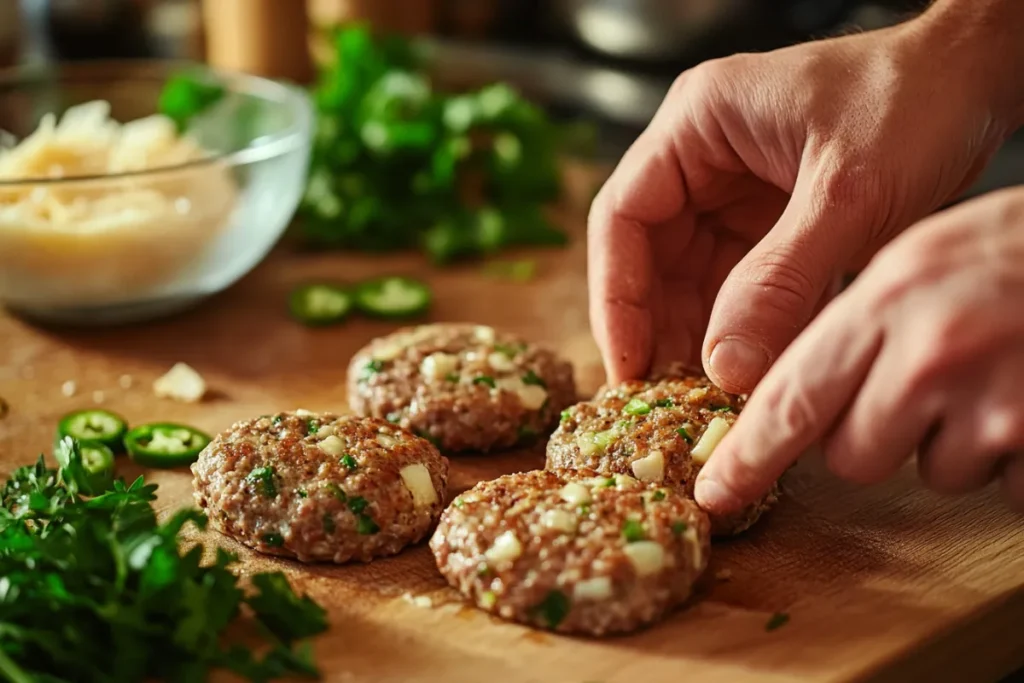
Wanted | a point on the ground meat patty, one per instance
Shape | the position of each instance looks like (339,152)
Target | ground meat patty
(465,387)
(595,555)
(321,487)
(661,432)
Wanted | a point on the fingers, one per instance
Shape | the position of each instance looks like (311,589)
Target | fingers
(646,190)
(795,405)
(773,292)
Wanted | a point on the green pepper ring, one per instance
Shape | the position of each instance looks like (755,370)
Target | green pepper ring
(98,462)
(302,308)
(148,457)
(366,291)
(113,438)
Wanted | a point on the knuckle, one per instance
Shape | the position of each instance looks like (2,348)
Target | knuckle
(846,462)
(796,414)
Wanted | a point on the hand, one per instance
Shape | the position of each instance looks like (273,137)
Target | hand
(762,177)
(924,351)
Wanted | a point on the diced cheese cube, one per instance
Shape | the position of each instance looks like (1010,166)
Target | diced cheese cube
(417,479)
(532,396)
(597,588)
(560,520)
(332,445)
(647,557)
(484,334)
(506,548)
(500,362)
(650,468)
(575,493)
(709,440)
(438,365)
(181,383)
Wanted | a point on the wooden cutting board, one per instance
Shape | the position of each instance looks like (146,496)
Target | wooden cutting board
(888,583)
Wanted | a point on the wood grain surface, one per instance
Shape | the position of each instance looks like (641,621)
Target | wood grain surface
(888,583)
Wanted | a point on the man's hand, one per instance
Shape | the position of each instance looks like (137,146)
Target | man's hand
(924,351)
(763,177)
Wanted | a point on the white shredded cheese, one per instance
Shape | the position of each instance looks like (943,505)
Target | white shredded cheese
(416,478)
(181,383)
(575,493)
(709,440)
(506,548)
(560,520)
(647,557)
(598,588)
(332,445)
(438,365)
(650,468)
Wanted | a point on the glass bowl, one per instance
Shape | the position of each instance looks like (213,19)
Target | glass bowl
(115,248)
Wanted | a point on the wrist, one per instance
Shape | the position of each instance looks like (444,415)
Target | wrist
(980,42)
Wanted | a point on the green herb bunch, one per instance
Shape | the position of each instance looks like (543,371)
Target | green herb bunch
(97,590)
(398,165)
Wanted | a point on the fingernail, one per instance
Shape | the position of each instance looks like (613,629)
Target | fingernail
(738,363)
(711,495)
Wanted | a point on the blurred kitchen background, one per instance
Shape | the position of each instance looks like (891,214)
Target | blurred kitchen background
(608,62)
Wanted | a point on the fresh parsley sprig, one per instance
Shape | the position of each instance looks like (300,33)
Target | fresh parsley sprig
(82,577)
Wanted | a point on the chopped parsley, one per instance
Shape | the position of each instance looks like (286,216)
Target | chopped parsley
(394,417)
(349,462)
(301,493)
(720,409)
(366,526)
(531,378)
(685,434)
(263,479)
(371,369)
(488,599)
(658,495)
(679,528)
(329,525)
(483,569)
(566,415)
(452,377)
(663,403)
(777,620)
(273,540)
(553,609)
(357,504)
(636,407)
(583,509)
(276,421)
(484,379)
(336,491)
(313,426)
(608,483)
(633,531)
(458,502)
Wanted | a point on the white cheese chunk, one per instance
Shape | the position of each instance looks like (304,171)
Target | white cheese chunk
(325,431)
(575,493)
(386,440)
(650,468)
(647,557)
(598,588)
(438,365)
(532,396)
(484,334)
(716,430)
(500,362)
(560,520)
(416,478)
(332,445)
(506,548)
(181,383)
(691,537)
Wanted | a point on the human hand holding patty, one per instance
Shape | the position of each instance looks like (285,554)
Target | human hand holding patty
(924,351)
(763,177)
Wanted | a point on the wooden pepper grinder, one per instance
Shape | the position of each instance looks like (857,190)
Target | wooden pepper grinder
(263,37)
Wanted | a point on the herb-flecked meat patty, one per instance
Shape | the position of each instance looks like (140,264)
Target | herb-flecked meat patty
(660,432)
(597,555)
(465,387)
(320,487)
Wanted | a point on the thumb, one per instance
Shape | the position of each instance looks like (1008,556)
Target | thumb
(771,295)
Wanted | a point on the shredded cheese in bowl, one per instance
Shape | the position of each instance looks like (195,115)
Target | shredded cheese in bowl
(74,230)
